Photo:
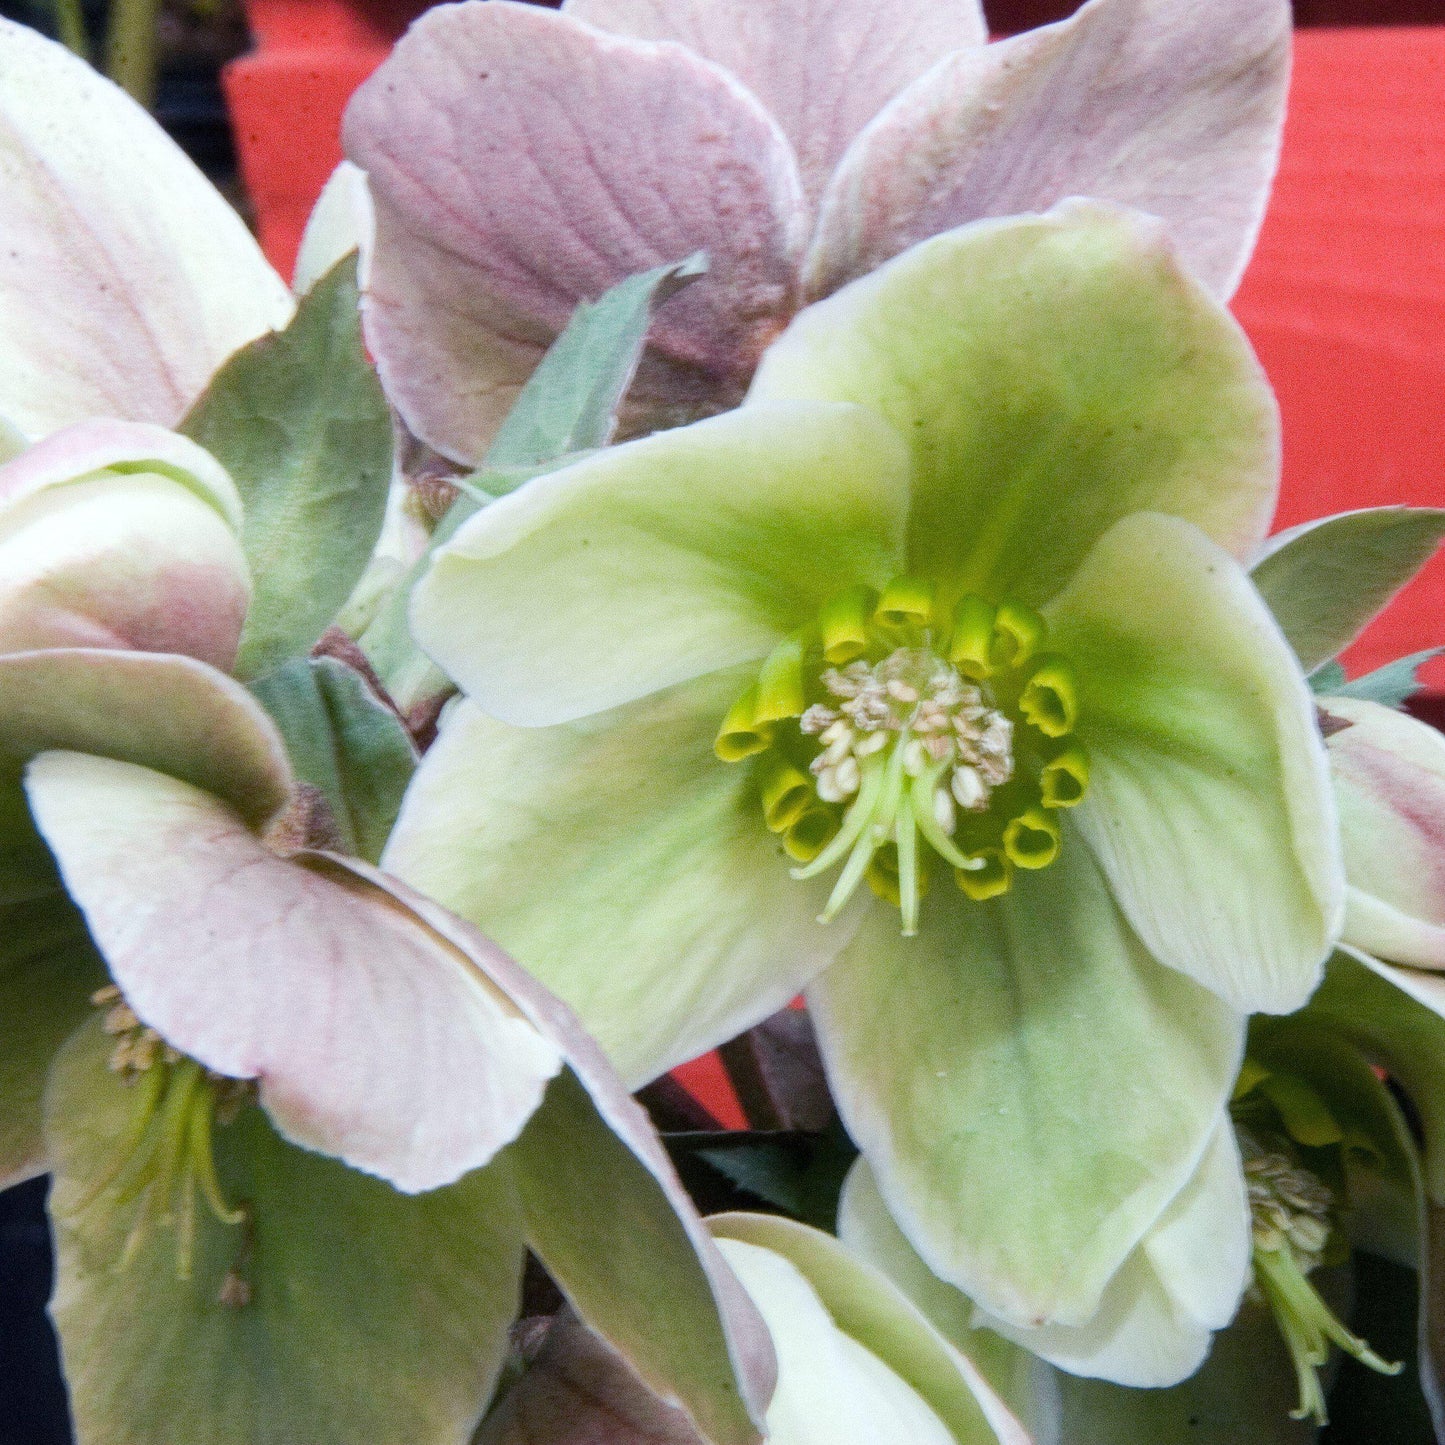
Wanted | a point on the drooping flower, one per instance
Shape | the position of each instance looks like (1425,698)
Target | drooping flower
(1314,1159)
(125,278)
(858,1364)
(523,161)
(206,1006)
(946,609)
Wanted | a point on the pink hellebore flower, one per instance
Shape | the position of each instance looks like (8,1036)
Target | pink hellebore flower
(522,161)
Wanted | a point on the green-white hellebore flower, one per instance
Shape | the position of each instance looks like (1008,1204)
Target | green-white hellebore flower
(262,1003)
(1312,1156)
(800,143)
(858,1364)
(960,563)
(125,278)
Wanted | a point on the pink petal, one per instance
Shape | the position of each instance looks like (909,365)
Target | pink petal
(1389,776)
(1171,106)
(521,162)
(157,710)
(371,1037)
(125,278)
(121,535)
(823,68)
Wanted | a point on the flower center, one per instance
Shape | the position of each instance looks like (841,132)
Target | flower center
(892,732)
(1293,1218)
(164,1159)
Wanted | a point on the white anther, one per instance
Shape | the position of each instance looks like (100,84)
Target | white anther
(915,758)
(944,811)
(899,689)
(997,738)
(817,719)
(828,789)
(847,775)
(939,747)
(869,744)
(835,730)
(838,749)
(969,789)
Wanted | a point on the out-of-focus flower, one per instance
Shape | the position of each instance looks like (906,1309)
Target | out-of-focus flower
(950,599)
(522,161)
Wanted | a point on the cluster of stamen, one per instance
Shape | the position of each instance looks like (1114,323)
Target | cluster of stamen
(896,729)
(1293,1218)
(164,1163)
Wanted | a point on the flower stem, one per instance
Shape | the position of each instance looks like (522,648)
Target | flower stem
(131,58)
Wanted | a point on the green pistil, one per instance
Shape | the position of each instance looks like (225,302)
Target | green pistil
(895,730)
(1308,1327)
(164,1161)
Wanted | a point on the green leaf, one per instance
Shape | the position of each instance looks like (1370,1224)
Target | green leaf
(299,420)
(1326,679)
(799,1174)
(1393,683)
(372,1315)
(568,406)
(570,402)
(344,741)
(1325,580)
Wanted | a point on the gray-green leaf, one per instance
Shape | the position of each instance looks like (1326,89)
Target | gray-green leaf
(344,742)
(1326,579)
(299,420)
(1391,684)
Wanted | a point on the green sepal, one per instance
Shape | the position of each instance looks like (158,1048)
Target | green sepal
(1325,580)
(356,1313)
(299,420)
(345,742)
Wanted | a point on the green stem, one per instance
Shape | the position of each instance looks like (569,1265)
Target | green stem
(131,58)
(70,25)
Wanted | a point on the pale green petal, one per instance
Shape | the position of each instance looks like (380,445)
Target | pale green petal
(1154,1323)
(831,1391)
(48,971)
(1025,1382)
(1156,1320)
(622,864)
(1325,579)
(1209,804)
(1243,1393)
(370,1038)
(827,1291)
(372,1316)
(1018,1053)
(663,559)
(1389,776)
(1053,374)
(126,278)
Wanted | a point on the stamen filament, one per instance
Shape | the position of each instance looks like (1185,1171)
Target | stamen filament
(855,820)
(936,838)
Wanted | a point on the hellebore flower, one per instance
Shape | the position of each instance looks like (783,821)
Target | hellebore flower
(265,1001)
(523,161)
(1321,1152)
(125,278)
(946,608)
(857,1363)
